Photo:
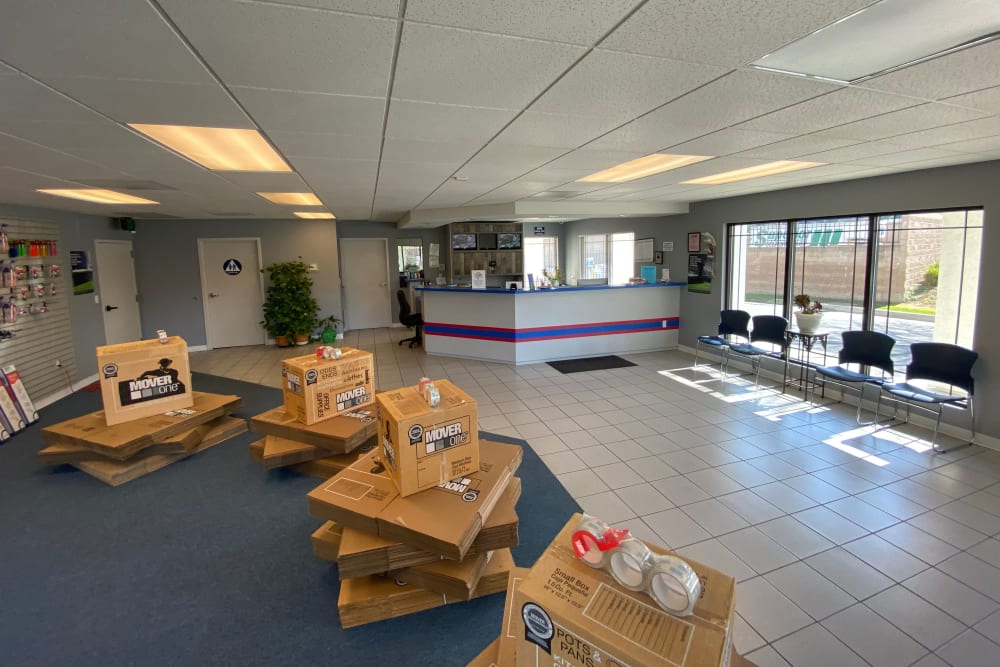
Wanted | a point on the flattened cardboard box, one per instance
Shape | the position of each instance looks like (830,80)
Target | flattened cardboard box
(455,578)
(326,541)
(316,389)
(339,435)
(566,612)
(444,520)
(144,378)
(123,441)
(377,598)
(488,657)
(424,446)
(62,453)
(362,554)
(324,467)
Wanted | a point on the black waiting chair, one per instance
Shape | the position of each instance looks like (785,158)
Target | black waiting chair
(409,319)
(867,349)
(732,323)
(769,329)
(948,367)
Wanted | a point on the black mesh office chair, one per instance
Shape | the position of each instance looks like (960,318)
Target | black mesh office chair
(870,349)
(943,364)
(769,329)
(732,323)
(409,319)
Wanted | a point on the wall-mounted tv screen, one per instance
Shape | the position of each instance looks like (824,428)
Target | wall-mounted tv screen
(463,241)
(509,241)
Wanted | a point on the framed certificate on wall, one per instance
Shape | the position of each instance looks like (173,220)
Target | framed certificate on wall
(644,250)
(694,241)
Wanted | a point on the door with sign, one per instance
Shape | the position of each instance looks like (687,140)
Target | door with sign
(232,291)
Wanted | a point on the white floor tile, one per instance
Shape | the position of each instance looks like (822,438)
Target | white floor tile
(829,524)
(885,557)
(949,530)
(607,506)
(896,505)
(858,511)
(873,638)
(714,554)
(768,612)
(751,507)
(974,573)
(714,517)
(796,537)
(757,550)
(745,474)
(644,499)
(582,483)
(618,475)
(675,528)
(849,573)
(683,462)
(745,638)
(923,545)
(651,468)
(714,482)
(952,596)
(918,618)
(815,488)
(561,462)
(813,593)
(599,455)
(784,497)
(970,649)
(767,657)
(680,490)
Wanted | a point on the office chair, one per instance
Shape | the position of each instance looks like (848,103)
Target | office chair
(866,349)
(941,363)
(731,323)
(766,329)
(409,319)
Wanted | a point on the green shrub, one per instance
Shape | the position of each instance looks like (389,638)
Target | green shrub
(931,275)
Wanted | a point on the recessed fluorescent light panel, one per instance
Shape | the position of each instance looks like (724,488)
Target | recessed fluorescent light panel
(642,167)
(217,148)
(885,36)
(761,170)
(293,198)
(98,196)
(318,215)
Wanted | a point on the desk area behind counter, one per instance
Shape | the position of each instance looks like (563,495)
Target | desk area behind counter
(523,327)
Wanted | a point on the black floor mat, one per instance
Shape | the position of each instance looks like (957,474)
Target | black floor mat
(590,364)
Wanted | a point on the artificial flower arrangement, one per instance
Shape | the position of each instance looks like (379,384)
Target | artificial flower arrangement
(806,305)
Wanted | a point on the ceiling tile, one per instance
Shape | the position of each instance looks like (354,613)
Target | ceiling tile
(450,153)
(533,128)
(723,32)
(985,127)
(960,72)
(423,121)
(155,102)
(790,149)
(987,100)
(836,108)
(902,157)
(574,21)
(491,70)
(313,112)
(386,8)
(249,45)
(41,160)
(852,152)
(100,38)
(622,86)
(24,99)
(980,145)
(592,160)
(327,145)
(340,182)
(506,162)
(454,193)
(737,97)
(920,117)
(265,182)
(727,142)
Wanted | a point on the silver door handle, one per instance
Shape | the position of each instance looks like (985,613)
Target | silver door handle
(212,294)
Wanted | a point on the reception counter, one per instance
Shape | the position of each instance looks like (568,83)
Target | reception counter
(525,327)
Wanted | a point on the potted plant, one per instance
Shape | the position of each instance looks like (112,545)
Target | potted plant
(809,315)
(290,311)
(329,330)
(553,276)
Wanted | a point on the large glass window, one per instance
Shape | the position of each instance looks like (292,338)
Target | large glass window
(913,275)
(410,253)
(594,256)
(541,253)
(607,256)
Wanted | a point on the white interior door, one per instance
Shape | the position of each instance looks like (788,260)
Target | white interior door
(364,267)
(119,295)
(232,291)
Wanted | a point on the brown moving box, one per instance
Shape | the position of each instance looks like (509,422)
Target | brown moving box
(737,660)
(116,473)
(511,632)
(123,441)
(376,598)
(62,453)
(444,520)
(424,446)
(339,435)
(326,541)
(323,467)
(316,389)
(144,378)
(362,554)
(455,578)
(488,657)
(279,452)
(574,611)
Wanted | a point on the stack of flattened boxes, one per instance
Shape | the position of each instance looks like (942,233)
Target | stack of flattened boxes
(151,416)
(327,420)
(425,519)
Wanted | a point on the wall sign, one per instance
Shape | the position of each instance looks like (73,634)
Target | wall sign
(539,231)
(232,267)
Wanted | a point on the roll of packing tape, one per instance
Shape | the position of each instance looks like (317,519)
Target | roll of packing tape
(674,585)
(631,564)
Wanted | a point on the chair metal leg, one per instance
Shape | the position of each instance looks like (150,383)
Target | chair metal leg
(937,422)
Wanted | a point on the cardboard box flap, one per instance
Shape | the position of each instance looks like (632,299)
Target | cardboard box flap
(356,496)
(488,656)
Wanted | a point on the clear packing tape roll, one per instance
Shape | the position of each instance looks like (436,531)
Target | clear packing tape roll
(670,581)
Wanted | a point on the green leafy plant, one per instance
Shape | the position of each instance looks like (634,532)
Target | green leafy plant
(932,274)
(328,326)
(806,305)
(289,306)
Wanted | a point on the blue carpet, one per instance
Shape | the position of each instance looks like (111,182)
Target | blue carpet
(206,562)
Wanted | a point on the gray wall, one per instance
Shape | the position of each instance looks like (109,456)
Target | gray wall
(77,232)
(166,265)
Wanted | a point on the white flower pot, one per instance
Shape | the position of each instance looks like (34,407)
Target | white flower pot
(808,323)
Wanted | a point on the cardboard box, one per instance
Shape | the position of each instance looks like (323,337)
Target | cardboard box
(454,578)
(338,435)
(362,554)
(62,453)
(488,657)
(566,612)
(511,631)
(316,389)
(144,378)
(377,598)
(324,467)
(326,541)
(444,520)
(424,446)
(737,660)
(123,441)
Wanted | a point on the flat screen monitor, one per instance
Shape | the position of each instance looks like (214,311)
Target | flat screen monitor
(509,241)
(487,241)
(463,241)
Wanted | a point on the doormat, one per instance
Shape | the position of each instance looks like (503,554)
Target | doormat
(590,364)
(93,386)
